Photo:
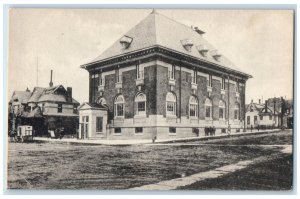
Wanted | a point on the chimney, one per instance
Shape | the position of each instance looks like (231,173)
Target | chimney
(197,30)
(259,101)
(27,90)
(266,106)
(251,101)
(69,92)
(51,83)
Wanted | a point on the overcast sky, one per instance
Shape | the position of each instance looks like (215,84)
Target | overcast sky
(258,42)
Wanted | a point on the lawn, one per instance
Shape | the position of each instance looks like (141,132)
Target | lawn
(64,166)
(274,174)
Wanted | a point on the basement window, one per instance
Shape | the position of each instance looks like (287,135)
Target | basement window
(172,129)
(118,130)
(138,130)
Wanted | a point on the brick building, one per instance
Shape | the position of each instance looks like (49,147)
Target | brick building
(162,79)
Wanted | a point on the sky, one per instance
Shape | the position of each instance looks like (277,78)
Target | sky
(260,43)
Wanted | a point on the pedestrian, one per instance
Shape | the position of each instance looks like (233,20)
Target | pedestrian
(229,129)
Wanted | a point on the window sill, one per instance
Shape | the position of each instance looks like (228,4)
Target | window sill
(138,134)
(117,134)
(140,116)
(193,117)
(99,133)
(171,116)
(172,134)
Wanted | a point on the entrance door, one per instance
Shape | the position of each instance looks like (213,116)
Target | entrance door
(86,130)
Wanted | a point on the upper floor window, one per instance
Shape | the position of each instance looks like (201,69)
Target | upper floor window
(236,111)
(261,117)
(119,106)
(237,89)
(118,76)
(221,110)
(139,72)
(74,109)
(194,77)
(248,119)
(59,108)
(101,82)
(223,84)
(171,73)
(193,107)
(209,83)
(140,101)
(208,108)
(170,104)
(43,107)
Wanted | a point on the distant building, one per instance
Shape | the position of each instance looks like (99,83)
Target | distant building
(162,79)
(51,108)
(273,113)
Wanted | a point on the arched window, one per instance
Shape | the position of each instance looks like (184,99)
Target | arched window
(236,111)
(171,104)
(119,106)
(101,101)
(140,101)
(208,108)
(222,109)
(193,106)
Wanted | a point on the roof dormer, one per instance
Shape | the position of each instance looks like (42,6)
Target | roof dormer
(125,41)
(202,49)
(216,55)
(187,44)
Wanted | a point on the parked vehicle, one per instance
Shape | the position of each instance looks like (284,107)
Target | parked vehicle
(24,133)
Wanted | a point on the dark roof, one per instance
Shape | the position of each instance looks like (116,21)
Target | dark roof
(21,96)
(36,94)
(48,95)
(159,30)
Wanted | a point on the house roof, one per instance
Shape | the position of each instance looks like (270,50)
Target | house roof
(159,30)
(36,93)
(48,94)
(21,96)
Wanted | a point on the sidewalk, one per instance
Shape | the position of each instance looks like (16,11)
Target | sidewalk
(148,141)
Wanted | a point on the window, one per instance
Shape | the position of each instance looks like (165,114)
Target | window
(208,108)
(237,87)
(140,101)
(223,84)
(139,72)
(261,117)
(118,130)
(172,72)
(251,108)
(210,80)
(43,108)
(255,119)
(138,129)
(74,109)
(221,110)
(119,106)
(236,111)
(172,130)
(101,82)
(170,104)
(270,117)
(248,119)
(99,124)
(194,77)
(118,77)
(193,104)
(59,108)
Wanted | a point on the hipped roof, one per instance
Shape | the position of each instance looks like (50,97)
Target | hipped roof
(159,30)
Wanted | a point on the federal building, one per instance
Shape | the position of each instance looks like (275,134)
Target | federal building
(162,79)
